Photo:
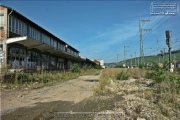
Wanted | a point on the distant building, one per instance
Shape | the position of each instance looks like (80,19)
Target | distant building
(101,62)
(97,62)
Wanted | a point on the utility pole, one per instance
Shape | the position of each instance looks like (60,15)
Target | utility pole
(174,60)
(117,57)
(125,54)
(168,42)
(141,40)
(164,55)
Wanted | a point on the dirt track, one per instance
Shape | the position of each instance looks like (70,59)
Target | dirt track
(34,103)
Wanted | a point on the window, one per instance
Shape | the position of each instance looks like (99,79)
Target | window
(16,22)
(46,39)
(24,29)
(10,23)
(1,20)
(55,44)
(51,42)
(1,47)
(63,47)
(20,28)
(59,46)
(17,26)
(68,50)
(35,34)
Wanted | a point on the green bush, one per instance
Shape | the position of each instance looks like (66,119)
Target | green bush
(23,77)
(98,67)
(75,68)
(158,75)
(122,76)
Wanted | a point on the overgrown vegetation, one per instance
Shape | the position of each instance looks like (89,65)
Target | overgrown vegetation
(75,68)
(122,76)
(113,75)
(40,79)
(155,86)
(166,95)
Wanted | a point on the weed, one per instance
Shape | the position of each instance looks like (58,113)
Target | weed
(75,68)
(135,73)
(122,76)
(164,110)
(45,78)
(148,94)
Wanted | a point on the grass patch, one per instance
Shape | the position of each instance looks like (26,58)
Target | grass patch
(122,76)
(44,78)
(148,94)
(112,75)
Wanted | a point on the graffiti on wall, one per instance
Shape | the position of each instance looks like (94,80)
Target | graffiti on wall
(1,57)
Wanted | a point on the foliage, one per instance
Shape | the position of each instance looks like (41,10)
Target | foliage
(167,88)
(166,65)
(122,76)
(75,68)
(158,75)
(112,75)
(161,74)
(98,67)
(45,77)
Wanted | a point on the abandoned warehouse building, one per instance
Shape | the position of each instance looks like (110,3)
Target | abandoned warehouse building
(26,45)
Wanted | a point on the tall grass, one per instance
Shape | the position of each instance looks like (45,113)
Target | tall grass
(114,74)
(163,93)
(43,78)
(166,95)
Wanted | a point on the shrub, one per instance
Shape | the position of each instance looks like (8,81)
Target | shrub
(158,75)
(23,77)
(102,87)
(75,68)
(98,67)
(148,94)
(135,73)
(122,76)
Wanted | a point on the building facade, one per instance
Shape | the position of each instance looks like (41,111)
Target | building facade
(27,45)
(101,62)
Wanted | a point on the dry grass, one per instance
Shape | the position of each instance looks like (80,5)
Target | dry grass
(110,74)
(161,100)
(148,94)
(21,79)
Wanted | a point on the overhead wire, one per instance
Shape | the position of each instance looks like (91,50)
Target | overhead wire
(160,26)
(136,44)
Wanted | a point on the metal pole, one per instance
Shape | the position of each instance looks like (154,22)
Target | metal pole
(140,30)
(169,57)
(141,40)
(174,60)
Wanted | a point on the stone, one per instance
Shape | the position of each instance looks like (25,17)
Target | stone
(4,86)
(26,88)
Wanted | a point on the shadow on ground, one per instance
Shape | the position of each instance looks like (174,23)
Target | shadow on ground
(46,111)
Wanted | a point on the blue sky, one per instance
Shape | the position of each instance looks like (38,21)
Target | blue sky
(100,29)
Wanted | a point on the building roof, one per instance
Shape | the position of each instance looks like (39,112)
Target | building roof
(36,25)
